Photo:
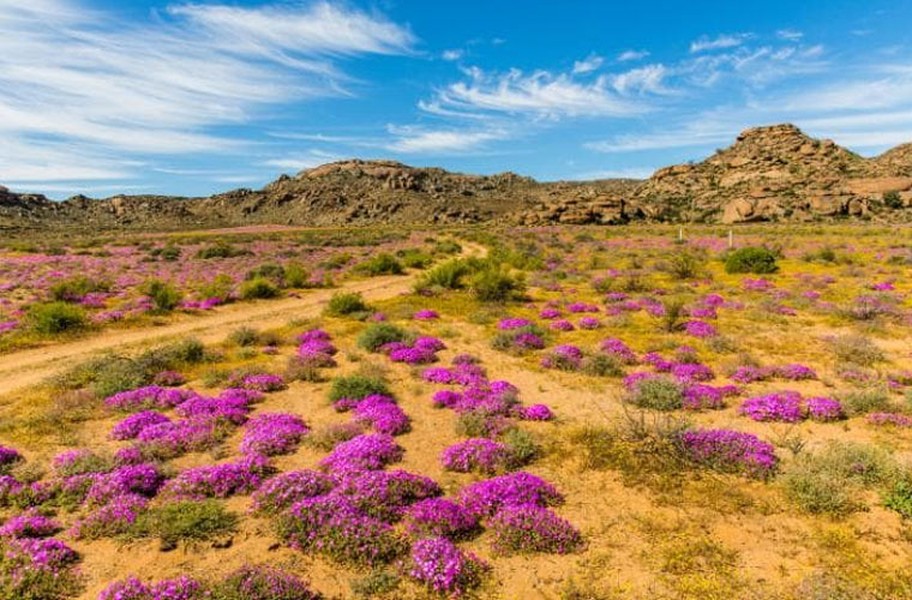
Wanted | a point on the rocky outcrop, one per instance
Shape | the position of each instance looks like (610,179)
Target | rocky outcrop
(776,173)
(773,173)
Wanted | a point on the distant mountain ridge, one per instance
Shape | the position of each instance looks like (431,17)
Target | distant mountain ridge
(772,173)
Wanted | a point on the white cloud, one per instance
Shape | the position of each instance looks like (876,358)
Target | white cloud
(791,35)
(415,140)
(629,55)
(540,94)
(72,76)
(298,162)
(706,43)
(587,65)
(451,55)
(648,79)
(627,173)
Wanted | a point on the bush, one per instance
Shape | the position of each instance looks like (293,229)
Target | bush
(378,335)
(56,317)
(170,253)
(686,265)
(188,520)
(899,497)
(751,260)
(221,250)
(857,350)
(164,296)
(269,271)
(381,264)
(522,445)
(73,289)
(603,365)
(356,387)
(495,285)
(832,481)
(892,200)
(258,288)
(657,393)
(244,337)
(448,276)
(860,402)
(447,247)
(296,276)
(414,258)
(346,303)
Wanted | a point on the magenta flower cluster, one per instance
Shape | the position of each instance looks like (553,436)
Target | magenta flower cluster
(270,434)
(730,451)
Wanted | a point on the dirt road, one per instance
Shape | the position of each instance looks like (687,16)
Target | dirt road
(29,367)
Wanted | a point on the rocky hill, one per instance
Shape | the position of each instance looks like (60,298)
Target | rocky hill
(776,173)
(770,173)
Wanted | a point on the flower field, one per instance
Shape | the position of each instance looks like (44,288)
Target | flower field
(573,413)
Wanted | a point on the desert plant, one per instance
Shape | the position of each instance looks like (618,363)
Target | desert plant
(346,303)
(185,520)
(56,317)
(657,393)
(493,284)
(258,288)
(356,387)
(378,335)
(381,264)
(751,259)
(686,265)
(74,288)
(165,297)
(865,400)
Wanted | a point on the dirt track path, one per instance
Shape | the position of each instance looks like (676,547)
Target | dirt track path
(22,369)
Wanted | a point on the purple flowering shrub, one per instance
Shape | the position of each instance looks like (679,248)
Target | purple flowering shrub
(385,495)
(382,414)
(444,568)
(149,397)
(791,407)
(37,568)
(220,481)
(730,451)
(262,582)
(335,527)
(113,518)
(486,497)
(523,528)
(479,455)
(365,452)
(131,426)
(30,524)
(280,492)
(619,350)
(9,457)
(565,357)
(439,517)
(270,434)
(181,588)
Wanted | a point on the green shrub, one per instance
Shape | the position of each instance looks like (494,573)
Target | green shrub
(220,287)
(494,284)
(657,393)
(56,317)
(269,271)
(863,401)
(170,253)
(686,265)
(751,259)
(414,258)
(673,313)
(832,481)
(447,247)
(164,296)
(244,337)
(346,303)
(381,264)
(379,334)
(899,497)
(258,288)
(893,200)
(296,276)
(523,447)
(74,288)
(603,365)
(857,350)
(221,250)
(118,375)
(185,520)
(377,583)
(357,387)
(448,276)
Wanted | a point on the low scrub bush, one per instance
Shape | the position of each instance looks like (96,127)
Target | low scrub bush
(165,297)
(258,288)
(751,259)
(355,387)
(188,520)
(346,303)
(378,335)
(381,264)
(56,317)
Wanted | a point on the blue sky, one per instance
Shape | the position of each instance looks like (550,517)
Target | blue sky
(101,97)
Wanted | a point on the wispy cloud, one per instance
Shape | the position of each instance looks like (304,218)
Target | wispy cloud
(541,94)
(74,76)
(411,140)
(588,64)
(705,43)
(645,80)
(452,55)
(791,35)
(629,55)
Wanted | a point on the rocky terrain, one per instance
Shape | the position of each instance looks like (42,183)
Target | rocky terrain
(774,173)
